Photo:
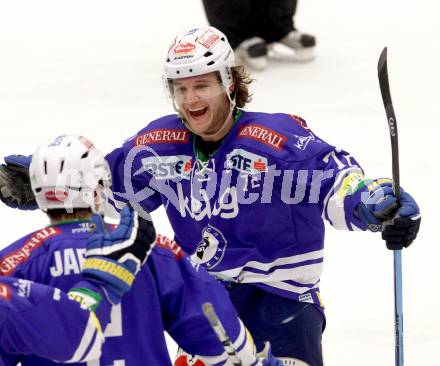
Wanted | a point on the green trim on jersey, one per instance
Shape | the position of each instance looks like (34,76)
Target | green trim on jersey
(200,156)
(86,297)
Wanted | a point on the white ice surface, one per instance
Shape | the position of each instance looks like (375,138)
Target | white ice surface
(93,67)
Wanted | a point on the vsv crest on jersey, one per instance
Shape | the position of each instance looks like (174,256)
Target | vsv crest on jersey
(168,167)
(245,162)
(212,248)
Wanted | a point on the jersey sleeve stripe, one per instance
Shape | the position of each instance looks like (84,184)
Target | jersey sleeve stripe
(334,210)
(88,341)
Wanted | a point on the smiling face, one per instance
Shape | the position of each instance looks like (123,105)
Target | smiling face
(203,103)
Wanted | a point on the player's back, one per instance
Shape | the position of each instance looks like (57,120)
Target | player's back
(54,256)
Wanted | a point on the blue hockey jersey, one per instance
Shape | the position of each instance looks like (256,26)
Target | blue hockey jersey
(167,294)
(34,318)
(253,211)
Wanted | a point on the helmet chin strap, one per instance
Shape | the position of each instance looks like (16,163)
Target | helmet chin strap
(215,135)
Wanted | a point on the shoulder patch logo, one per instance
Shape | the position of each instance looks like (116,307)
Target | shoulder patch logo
(303,141)
(263,134)
(167,243)
(9,262)
(163,136)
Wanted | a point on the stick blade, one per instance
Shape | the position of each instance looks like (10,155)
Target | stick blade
(382,60)
(382,71)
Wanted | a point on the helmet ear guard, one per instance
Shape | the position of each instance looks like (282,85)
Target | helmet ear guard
(69,172)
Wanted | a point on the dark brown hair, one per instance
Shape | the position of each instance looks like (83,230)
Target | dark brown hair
(241,84)
(59,214)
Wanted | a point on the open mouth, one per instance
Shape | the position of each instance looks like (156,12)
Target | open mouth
(199,112)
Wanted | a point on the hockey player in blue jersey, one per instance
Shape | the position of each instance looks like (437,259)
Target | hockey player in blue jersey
(40,320)
(68,176)
(246,193)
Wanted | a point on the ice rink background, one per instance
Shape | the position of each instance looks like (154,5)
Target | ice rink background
(94,67)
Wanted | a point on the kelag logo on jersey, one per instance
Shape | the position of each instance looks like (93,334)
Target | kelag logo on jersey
(212,248)
(302,141)
(245,162)
(168,167)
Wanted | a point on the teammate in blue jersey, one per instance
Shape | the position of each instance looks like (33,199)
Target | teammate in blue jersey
(246,193)
(68,176)
(40,320)
(35,317)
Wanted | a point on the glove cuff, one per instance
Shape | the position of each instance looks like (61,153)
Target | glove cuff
(114,277)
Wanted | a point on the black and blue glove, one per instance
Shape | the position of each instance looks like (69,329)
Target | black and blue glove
(15,185)
(379,210)
(114,258)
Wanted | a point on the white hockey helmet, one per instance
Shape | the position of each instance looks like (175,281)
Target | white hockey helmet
(196,52)
(69,172)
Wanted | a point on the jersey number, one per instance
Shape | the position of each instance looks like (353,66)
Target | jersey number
(114,329)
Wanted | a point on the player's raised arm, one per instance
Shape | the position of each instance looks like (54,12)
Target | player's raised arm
(352,201)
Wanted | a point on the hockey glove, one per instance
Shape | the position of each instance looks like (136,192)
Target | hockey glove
(113,259)
(15,185)
(379,210)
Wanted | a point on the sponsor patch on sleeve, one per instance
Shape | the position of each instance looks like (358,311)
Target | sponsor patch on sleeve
(163,242)
(163,136)
(264,135)
(10,261)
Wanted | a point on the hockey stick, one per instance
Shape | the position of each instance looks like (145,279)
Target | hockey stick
(392,125)
(217,326)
